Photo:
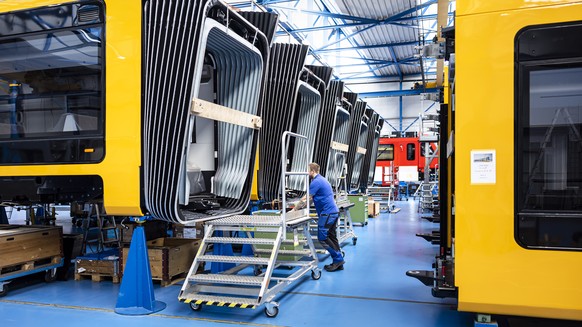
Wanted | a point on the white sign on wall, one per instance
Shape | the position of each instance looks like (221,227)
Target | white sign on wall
(483,169)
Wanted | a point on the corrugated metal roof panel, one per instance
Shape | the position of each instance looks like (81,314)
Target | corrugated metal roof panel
(383,34)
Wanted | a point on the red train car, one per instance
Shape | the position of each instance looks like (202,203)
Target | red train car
(402,158)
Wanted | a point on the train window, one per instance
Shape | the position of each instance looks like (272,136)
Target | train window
(548,154)
(51,85)
(410,151)
(385,152)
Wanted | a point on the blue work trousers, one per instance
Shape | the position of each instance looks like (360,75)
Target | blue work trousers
(327,235)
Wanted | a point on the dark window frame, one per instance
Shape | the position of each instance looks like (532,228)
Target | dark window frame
(74,140)
(410,151)
(537,49)
(381,151)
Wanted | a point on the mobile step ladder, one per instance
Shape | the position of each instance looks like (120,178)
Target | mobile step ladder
(250,283)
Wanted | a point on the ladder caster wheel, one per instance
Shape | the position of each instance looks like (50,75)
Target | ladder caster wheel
(4,291)
(195,307)
(50,275)
(366,223)
(343,254)
(354,240)
(316,274)
(272,312)
(257,271)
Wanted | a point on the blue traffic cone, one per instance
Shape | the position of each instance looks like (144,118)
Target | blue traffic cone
(136,295)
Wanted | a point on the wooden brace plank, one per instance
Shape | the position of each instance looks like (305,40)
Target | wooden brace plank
(205,109)
(340,146)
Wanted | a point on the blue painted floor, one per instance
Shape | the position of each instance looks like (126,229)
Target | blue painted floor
(373,290)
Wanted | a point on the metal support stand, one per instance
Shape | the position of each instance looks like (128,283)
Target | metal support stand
(136,294)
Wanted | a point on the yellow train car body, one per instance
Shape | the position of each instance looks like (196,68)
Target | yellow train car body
(120,166)
(493,273)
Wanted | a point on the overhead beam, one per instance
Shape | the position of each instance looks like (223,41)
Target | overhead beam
(387,122)
(364,47)
(384,21)
(388,64)
(395,59)
(362,22)
(415,120)
(330,15)
(396,93)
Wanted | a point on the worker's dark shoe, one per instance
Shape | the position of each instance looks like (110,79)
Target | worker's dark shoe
(334,266)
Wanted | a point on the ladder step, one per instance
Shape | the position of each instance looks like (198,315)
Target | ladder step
(241,240)
(228,279)
(108,228)
(289,241)
(219,300)
(234,259)
(285,252)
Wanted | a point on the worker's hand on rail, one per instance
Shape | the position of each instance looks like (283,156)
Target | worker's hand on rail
(299,205)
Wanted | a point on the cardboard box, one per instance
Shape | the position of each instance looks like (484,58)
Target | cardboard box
(373,208)
(170,258)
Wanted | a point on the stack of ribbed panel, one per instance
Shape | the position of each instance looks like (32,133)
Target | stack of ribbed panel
(355,135)
(305,122)
(285,65)
(338,154)
(333,127)
(371,148)
(361,151)
(374,156)
(266,22)
(177,37)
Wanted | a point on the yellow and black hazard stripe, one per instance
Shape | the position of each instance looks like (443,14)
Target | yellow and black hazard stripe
(220,304)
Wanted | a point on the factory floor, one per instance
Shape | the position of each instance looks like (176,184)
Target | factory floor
(373,290)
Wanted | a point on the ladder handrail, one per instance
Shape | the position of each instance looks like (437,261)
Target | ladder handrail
(342,176)
(284,145)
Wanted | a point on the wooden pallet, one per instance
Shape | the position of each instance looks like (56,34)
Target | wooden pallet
(8,270)
(98,266)
(170,258)
(97,277)
(172,279)
(25,248)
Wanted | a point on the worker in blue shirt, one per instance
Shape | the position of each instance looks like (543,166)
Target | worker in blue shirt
(327,213)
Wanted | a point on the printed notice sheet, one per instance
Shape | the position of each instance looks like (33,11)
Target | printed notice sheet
(483,167)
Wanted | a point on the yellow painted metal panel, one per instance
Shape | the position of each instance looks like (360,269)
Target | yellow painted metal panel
(493,273)
(28,4)
(120,168)
(470,7)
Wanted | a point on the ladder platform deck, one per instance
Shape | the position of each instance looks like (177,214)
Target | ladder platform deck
(259,220)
